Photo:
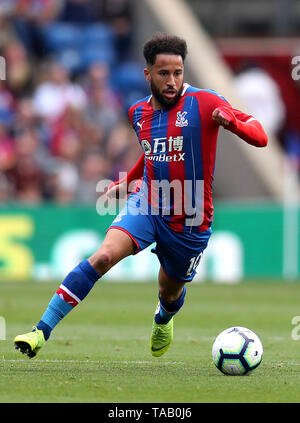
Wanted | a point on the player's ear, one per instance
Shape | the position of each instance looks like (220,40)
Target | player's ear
(147,74)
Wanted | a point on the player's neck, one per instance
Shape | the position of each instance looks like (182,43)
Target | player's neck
(155,103)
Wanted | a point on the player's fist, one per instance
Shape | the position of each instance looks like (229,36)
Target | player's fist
(224,116)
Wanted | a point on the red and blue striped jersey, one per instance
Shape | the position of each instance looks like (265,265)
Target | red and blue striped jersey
(179,147)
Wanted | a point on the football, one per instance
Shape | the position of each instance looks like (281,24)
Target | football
(237,351)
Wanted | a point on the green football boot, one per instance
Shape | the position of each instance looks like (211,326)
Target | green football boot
(161,338)
(30,343)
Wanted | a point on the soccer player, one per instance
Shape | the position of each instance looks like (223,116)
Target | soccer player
(177,128)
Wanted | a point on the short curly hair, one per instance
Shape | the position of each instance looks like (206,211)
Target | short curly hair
(163,43)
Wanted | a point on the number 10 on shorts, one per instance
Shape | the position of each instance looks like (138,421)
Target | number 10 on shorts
(194,261)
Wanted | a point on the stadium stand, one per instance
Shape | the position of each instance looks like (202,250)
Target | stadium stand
(91,50)
(71,76)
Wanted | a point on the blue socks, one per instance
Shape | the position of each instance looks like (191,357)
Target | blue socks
(76,287)
(166,311)
(71,292)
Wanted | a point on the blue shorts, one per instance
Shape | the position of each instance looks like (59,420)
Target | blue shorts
(179,253)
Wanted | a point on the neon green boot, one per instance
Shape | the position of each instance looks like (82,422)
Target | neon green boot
(30,343)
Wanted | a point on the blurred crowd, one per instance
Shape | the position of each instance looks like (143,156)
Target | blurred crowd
(273,97)
(70,76)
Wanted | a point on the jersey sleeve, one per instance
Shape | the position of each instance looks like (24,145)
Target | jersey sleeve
(135,173)
(130,115)
(244,126)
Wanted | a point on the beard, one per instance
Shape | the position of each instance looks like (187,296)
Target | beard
(165,102)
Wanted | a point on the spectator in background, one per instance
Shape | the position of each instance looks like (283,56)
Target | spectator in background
(66,175)
(262,96)
(25,117)
(7,32)
(77,12)
(63,183)
(94,138)
(291,131)
(58,135)
(26,120)
(120,142)
(30,16)
(118,14)
(71,122)
(19,78)
(104,109)
(7,105)
(6,190)
(26,175)
(7,150)
(94,167)
(98,76)
(56,93)
(100,112)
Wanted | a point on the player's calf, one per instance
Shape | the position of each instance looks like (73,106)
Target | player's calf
(75,287)
(70,293)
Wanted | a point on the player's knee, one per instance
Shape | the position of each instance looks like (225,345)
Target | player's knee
(102,261)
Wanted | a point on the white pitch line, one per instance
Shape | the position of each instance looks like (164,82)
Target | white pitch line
(92,361)
(201,338)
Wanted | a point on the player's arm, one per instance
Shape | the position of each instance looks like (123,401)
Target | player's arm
(117,188)
(122,187)
(243,125)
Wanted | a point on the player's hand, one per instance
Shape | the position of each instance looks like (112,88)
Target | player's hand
(224,116)
(117,190)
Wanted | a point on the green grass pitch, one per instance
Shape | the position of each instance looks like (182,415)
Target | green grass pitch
(100,352)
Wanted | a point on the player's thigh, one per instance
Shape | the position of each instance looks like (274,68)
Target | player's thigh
(179,254)
(116,246)
(140,227)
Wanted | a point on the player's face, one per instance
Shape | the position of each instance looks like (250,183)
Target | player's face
(166,79)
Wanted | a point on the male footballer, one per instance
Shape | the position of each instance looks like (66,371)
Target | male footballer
(177,127)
